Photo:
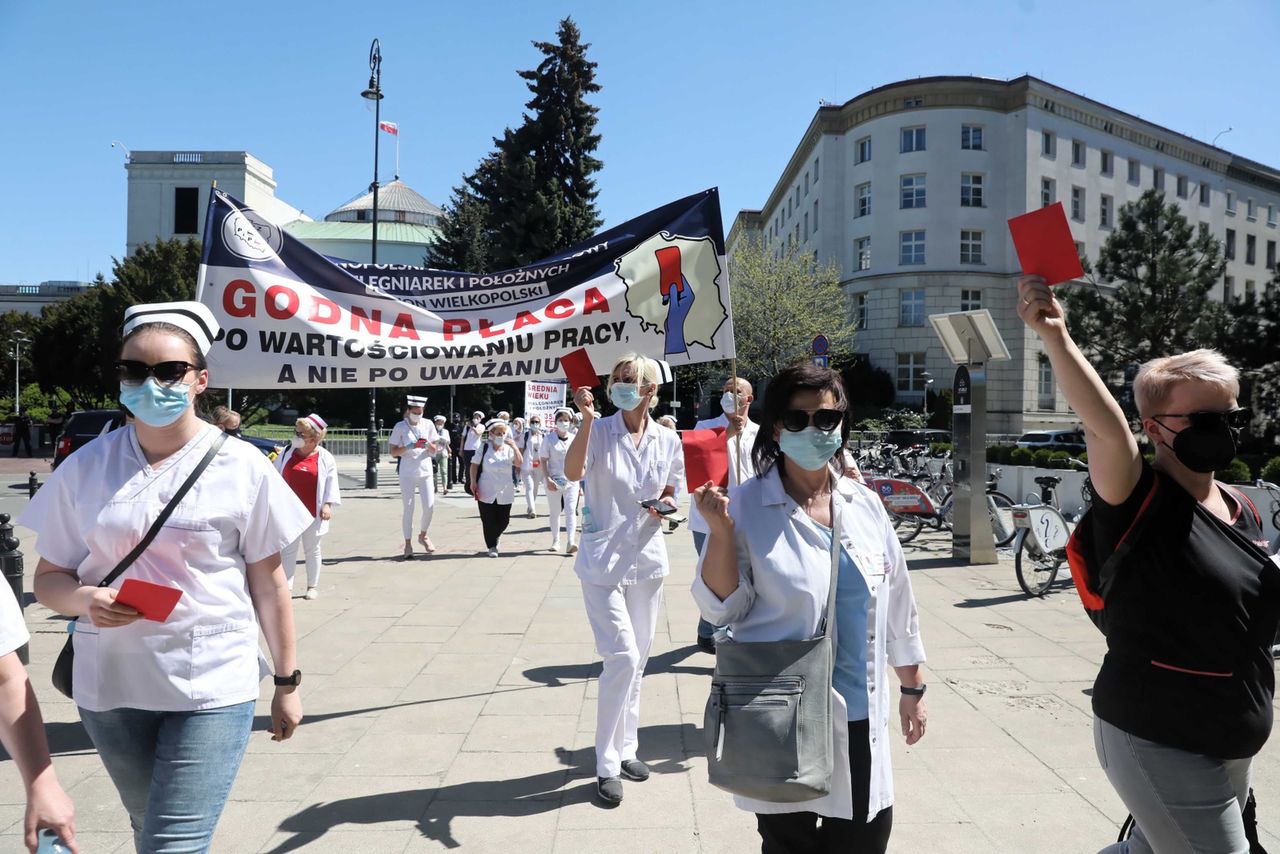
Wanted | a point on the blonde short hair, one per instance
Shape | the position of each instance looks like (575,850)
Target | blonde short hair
(1156,379)
(222,416)
(307,427)
(646,373)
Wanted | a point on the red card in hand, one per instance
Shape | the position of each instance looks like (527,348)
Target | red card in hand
(706,458)
(1045,245)
(579,370)
(152,601)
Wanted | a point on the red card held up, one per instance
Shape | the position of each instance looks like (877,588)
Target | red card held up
(579,370)
(152,601)
(1045,246)
(706,458)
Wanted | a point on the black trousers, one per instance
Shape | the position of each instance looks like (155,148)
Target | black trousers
(494,518)
(801,833)
(466,470)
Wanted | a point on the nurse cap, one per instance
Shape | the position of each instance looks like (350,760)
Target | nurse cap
(664,371)
(439,418)
(415,400)
(317,422)
(497,422)
(564,410)
(191,317)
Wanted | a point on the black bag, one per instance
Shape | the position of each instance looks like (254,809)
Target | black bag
(478,459)
(62,668)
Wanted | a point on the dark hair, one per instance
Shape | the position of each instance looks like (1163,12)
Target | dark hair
(777,400)
(197,358)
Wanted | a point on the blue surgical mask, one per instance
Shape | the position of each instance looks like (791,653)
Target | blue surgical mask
(811,448)
(625,396)
(153,404)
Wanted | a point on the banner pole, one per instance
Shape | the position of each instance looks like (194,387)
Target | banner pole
(737,437)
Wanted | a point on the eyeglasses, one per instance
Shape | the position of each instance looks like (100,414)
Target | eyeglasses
(826,420)
(299,434)
(135,373)
(1236,419)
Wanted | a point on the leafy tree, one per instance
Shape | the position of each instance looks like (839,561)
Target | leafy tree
(463,244)
(14,325)
(780,303)
(1156,272)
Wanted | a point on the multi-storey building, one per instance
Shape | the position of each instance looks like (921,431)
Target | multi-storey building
(907,188)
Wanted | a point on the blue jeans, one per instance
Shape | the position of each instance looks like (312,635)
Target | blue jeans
(705,629)
(173,770)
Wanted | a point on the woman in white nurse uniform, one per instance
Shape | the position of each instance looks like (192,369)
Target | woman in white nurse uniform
(169,705)
(530,444)
(414,442)
(626,459)
(313,476)
(562,493)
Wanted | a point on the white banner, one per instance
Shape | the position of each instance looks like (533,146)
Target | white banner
(543,398)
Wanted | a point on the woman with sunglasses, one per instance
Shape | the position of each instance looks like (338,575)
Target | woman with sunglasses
(765,572)
(1182,702)
(313,476)
(168,701)
(626,459)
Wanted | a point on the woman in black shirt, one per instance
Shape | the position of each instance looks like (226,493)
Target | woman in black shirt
(1168,565)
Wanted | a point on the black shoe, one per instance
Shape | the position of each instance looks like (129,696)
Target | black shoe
(707,644)
(634,769)
(609,790)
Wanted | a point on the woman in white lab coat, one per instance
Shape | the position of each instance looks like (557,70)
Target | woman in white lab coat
(626,459)
(313,476)
(562,493)
(169,705)
(414,442)
(765,572)
(530,444)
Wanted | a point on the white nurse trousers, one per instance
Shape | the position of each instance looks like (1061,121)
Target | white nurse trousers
(623,620)
(424,485)
(564,498)
(310,542)
(532,479)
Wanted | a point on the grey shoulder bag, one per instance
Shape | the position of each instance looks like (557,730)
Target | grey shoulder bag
(65,664)
(767,723)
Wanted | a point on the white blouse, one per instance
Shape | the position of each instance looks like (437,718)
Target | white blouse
(495,484)
(13,630)
(784,573)
(415,462)
(96,507)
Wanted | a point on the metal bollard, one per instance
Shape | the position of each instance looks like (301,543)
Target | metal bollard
(32,484)
(11,565)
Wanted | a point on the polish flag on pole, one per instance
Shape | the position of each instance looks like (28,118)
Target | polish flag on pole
(389,127)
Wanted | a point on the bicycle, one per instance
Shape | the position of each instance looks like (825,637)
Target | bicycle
(1040,544)
(999,509)
(1274,491)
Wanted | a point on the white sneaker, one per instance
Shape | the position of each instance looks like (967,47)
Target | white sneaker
(555,545)
(493,552)
(312,593)
(573,549)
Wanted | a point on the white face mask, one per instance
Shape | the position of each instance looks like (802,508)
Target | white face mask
(498,438)
(562,426)
(729,403)
(413,418)
(298,442)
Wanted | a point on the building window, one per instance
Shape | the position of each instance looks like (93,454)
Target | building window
(1081,251)
(864,150)
(1048,144)
(1271,214)
(1135,170)
(1104,212)
(1048,192)
(913,102)
(1077,204)
(815,170)
(186,210)
(859,311)
(912,191)
(971,190)
(1228,288)
(797,199)
(1204,193)
(1157,179)
(864,199)
(862,253)
(1045,390)
(1229,249)
(1181,186)
(806,183)
(1108,163)
(1077,153)
(1231,203)
(1251,210)
(1250,289)
(1271,254)
(1250,249)
(806,225)
(971,137)
(970,299)
(912,139)
(815,216)
(911,372)
(362,216)
(911,247)
(970,247)
(911,307)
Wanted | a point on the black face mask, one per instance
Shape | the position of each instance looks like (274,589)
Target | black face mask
(1208,443)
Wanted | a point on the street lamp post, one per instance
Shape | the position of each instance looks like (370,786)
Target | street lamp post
(17,361)
(928,381)
(374,93)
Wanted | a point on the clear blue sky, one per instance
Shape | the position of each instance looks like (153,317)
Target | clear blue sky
(695,93)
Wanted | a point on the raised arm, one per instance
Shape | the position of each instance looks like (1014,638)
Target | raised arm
(1114,461)
(575,461)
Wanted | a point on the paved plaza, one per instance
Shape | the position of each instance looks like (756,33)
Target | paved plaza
(450,704)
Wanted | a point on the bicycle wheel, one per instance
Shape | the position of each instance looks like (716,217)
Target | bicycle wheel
(1036,570)
(947,512)
(906,526)
(1000,506)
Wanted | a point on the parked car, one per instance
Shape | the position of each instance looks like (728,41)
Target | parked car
(82,427)
(1071,441)
(907,438)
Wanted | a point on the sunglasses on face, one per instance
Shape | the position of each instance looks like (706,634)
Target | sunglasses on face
(826,420)
(1236,419)
(132,372)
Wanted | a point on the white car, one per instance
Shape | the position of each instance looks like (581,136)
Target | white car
(1053,440)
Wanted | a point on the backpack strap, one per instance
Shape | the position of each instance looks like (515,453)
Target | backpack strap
(1243,500)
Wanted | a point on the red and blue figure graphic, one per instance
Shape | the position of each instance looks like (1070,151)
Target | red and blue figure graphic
(677,296)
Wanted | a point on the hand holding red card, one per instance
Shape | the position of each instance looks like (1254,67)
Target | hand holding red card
(153,601)
(579,370)
(706,458)
(1045,245)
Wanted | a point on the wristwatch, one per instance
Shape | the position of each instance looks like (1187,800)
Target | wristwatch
(910,692)
(294,678)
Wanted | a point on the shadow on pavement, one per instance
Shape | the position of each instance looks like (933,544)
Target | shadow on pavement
(556,675)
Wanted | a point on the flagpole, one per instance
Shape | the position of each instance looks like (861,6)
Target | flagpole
(397,152)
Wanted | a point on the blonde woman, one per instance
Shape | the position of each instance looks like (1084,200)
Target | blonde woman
(313,476)
(625,459)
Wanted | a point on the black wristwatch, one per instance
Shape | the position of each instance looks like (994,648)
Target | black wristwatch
(294,679)
(910,692)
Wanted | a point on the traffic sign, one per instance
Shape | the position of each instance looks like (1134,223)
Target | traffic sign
(822,361)
(821,345)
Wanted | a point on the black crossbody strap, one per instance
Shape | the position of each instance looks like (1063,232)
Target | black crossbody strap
(166,512)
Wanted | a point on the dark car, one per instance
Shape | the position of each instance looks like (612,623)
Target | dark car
(907,438)
(82,427)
